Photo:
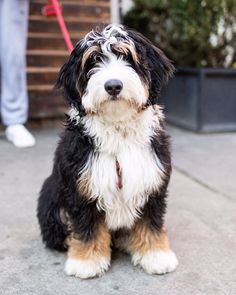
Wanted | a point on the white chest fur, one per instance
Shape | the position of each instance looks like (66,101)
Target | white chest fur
(141,169)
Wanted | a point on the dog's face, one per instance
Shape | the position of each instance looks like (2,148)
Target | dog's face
(113,69)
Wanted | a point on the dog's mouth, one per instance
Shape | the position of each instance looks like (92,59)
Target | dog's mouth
(119,106)
(115,97)
(116,109)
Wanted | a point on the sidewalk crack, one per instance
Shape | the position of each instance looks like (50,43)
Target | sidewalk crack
(203,184)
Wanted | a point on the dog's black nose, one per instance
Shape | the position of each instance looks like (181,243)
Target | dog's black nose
(113,87)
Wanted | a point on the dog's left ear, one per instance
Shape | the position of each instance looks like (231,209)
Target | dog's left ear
(154,59)
(71,79)
(161,70)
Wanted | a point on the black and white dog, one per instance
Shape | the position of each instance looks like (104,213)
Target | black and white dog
(112,165)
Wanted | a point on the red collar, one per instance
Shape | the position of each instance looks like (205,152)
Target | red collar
(119,175)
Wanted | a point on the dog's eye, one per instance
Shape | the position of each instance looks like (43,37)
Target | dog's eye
(126,57)
(96,58)
(92,60)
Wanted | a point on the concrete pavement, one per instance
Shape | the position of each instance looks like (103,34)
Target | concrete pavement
(201,220)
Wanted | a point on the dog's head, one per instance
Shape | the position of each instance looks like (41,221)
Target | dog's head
(113,66)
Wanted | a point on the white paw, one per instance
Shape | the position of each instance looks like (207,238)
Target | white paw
(156,262)
(85,269)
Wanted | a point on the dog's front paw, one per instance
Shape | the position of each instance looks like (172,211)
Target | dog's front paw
(85,269)
(156,262)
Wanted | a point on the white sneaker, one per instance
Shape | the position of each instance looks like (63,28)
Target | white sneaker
(19,136)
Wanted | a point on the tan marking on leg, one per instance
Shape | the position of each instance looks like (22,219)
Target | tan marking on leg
(144,239)
(94,249)
(151,250)
(89,259)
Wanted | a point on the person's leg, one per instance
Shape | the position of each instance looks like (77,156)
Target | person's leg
(14,19)
(14,98)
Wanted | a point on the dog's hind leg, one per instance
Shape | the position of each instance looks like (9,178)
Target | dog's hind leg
(49,213)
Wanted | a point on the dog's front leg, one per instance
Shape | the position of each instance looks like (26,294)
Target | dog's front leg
(87,259)
(149,243)
(151,250)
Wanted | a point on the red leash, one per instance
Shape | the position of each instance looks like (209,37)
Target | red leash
(54,9)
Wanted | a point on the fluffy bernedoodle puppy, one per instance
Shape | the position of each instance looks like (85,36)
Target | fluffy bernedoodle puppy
(112,166)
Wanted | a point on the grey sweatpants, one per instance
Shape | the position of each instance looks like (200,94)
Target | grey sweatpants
(13,39)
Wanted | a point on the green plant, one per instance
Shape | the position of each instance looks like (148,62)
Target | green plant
(191,32)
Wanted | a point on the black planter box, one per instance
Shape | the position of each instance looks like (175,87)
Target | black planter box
(202,100)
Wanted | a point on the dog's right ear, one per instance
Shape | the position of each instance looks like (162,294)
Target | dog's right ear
(71,79)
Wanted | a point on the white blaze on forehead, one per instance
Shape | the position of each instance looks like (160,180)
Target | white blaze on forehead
(110,34)
(112,30)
